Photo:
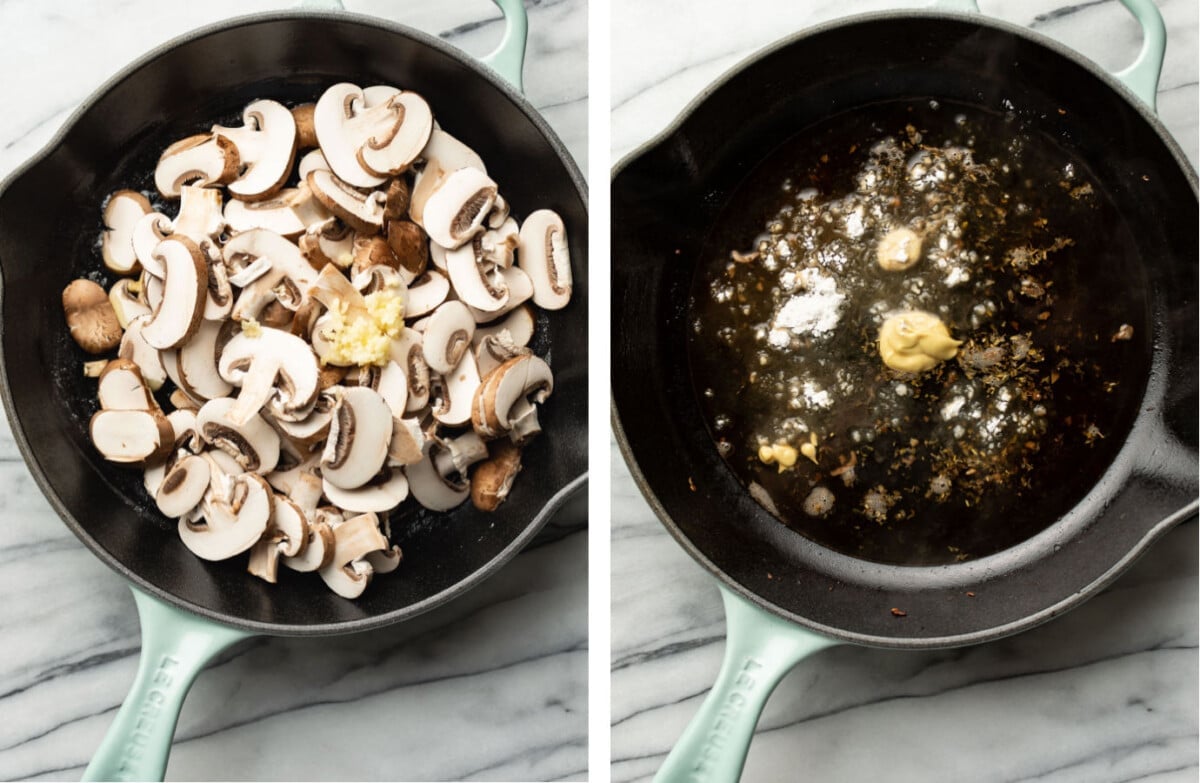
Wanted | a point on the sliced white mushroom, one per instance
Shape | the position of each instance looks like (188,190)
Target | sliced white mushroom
(443,154)
(266,144)
(197,160)
(382,493)
(519,324)
(358,438)
(197,363)
(496,349)
(380,278)
(460,453)
(451,394)
(151,229)
(152,476)
(507,402)
(348,573)
(122,212)
(230,528)
(273,367)
(131,437)
(183,486)
(406,351)
(183,426)
(408,441)
(313,160)
(437,256)
(499,245)
(125,303)
(185,287)
(328,242)
(288,213)
(390,381)
(313,428)
(520,289)
(457,206)
(545,257)
(342,122)
(361,211)
(122,388)
(200,217)
(153,288)
(430,488)
(447,336)
(477,282)
(286,536)
(254,444)
(499,214)
(148,359)
(286,281)
(318,549)
(251,271)
(426,293)
(392,154)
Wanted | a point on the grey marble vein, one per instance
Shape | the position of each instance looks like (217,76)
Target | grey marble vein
(492,686)
(1106,693)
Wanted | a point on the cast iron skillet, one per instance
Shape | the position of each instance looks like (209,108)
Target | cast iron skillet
(49,220)
(779,586)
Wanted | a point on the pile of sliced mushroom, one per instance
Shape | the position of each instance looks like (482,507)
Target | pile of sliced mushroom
(335,345)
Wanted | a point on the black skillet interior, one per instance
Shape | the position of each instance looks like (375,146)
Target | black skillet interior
(49,224)
(666,199)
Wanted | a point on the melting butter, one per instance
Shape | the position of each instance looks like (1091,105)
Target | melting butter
(915,341)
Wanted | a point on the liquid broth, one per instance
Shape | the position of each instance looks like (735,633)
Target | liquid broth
(1023,257)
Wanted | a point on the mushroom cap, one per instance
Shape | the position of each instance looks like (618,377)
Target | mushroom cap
(253,444)
(202,160)
(227,531)
(493,478)
(312,161)
(131,437)
(455,209)
(266,145)
(358,438)
(545,256)
(382,493)
(185,291)
(183,486)
(447,336)
(92,322)
(122,211)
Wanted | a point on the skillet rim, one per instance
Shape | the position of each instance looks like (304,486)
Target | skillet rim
(534,525)
(1155,532)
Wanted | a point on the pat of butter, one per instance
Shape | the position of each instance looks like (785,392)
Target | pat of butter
(915,341)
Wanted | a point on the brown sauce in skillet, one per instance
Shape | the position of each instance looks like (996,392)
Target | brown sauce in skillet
(1022,256)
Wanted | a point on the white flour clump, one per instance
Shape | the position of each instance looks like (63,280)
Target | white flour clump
(816,311)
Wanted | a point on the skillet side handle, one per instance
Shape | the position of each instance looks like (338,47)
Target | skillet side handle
(1141,77)
(508,58)
(176,645)
(759,649)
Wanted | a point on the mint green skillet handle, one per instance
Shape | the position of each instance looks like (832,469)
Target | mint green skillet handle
(508,58)
(1141,77)
(176,645)
(759,649)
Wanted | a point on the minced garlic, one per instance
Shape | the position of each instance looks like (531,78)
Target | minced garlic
(357,339)
(251,328)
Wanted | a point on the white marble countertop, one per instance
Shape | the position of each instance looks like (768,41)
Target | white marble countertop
(451,695)
(1106,693)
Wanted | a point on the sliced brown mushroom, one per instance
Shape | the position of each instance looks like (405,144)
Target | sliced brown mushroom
(230,527)
(389,380)
(329,242)
(394,151)
(274,367)
(358,438)
(318,548)
(254,444)
(383,492)
(361,211)
(287,280)
(122,388)
(131,437)
(499,245)
(348,573)
(183,486)
(493,478)
(126,304)
(148,358)
(306,134)
(443,155)
(545,257)
(266,145)
(426,293)
(452,398)
(201,160)
(183,425)
(499,214)
(408,441)
(200,217)
(430,488)
(151,229)
(447,336)
(286,536)
(369,134)
(496,349)
(519,324)
(312,161)
(410,245)
(520,289)
(90,317)
(507,402)
(395,205)
(476,281)
(218,302)
(95,368)
(197,363)
(312,429)
(407,352)
(379,278)
(185,287)
(454,211)
(372,251)
(122,212)
(289,213)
